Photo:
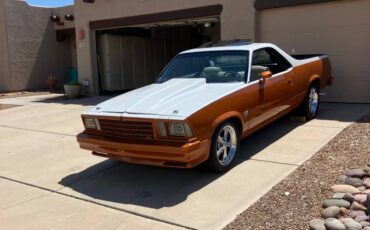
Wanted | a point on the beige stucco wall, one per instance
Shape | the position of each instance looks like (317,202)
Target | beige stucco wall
(340,29)
(33,52)
(4,64)
(237,21)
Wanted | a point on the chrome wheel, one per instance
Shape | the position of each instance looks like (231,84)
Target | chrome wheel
(313,100)
(226,145)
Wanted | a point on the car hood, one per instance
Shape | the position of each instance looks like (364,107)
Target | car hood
(176,97)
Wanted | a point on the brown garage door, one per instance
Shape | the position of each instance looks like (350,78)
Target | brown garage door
(340,29)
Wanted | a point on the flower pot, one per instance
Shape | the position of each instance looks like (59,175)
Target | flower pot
(72,91)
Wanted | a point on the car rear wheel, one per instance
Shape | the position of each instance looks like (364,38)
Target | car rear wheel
(311,104)
(224,147)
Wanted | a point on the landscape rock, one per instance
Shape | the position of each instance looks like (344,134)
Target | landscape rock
(344,188)
(341,179)
(349,206)
(345,212)
(357,207)
(354,181)
(351,224)
(336,202)
(360,198)
(317,224)
(355,214)
(362,188)
(338,195)
(330,212)
(359,172)
(349,197)
(361,218)
(367,183)
(334,224)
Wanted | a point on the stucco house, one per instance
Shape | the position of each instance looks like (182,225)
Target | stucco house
(123,44)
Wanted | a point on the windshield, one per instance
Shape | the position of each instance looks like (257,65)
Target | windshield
(214,66)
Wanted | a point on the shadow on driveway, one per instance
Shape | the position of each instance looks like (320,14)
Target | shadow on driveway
(156,187)
(84,101)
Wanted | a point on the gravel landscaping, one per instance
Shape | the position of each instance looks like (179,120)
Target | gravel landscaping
(302,196)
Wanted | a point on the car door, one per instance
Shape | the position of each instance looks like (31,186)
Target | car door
(272,94)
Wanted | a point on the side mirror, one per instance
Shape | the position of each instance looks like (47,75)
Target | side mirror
(265,74)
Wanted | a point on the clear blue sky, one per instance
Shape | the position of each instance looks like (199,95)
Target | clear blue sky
(50,3)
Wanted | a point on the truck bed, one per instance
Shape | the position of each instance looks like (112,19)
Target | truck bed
(305,56)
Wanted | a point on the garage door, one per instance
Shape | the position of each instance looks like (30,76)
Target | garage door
(340,29)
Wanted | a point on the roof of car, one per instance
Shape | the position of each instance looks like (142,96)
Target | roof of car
(228,47)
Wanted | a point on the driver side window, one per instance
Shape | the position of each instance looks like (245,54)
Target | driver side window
(267,59)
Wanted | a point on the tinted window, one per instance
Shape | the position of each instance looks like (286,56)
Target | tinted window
(215,66)
(267,59)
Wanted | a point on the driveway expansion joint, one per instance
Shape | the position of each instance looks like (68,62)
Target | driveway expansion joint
(276,162)
(35,130)
(89,201)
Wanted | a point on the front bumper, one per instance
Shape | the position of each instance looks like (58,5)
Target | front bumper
(164,154)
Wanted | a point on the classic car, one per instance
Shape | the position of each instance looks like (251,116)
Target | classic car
(205,101)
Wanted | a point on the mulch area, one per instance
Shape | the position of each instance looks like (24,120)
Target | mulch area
(297,199)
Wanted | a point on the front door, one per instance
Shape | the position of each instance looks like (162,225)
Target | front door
(272,94)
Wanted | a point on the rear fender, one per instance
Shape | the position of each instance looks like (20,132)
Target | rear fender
(313,78)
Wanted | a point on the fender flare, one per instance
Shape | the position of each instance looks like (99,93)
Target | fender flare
(313,78)
(227,116)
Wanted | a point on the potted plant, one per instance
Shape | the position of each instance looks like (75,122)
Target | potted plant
(72,89)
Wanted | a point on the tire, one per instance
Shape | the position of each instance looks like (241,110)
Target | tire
(311,103)
(222,156)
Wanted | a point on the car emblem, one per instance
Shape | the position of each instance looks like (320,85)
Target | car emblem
(175,112)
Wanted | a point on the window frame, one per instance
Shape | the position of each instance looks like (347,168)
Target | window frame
(278,58)
(246,53)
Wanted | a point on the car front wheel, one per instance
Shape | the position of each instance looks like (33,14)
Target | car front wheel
(224,147)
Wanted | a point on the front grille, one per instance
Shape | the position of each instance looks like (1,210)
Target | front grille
(126,129)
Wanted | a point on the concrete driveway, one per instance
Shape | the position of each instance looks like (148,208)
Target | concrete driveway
(47,182)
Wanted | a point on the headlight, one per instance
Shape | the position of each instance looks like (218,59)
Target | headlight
(91,123)
(179,129)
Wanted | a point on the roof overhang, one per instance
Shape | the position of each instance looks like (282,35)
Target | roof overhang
(268,4)
(199,12)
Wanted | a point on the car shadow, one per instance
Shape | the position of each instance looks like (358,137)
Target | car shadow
(157,187)
(84,101)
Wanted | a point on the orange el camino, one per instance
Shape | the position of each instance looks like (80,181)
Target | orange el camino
(205,101)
